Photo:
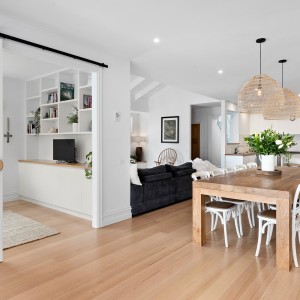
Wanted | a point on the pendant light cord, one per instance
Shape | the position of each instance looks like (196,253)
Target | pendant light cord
(282,75)
(259,58)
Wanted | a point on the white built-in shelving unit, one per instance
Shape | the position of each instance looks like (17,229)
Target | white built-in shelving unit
(45,92)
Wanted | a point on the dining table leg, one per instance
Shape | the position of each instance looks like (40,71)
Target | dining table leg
(199,224)
(283,235)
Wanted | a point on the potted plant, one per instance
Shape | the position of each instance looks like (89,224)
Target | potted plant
(73,119)
(268,144)
(89,164)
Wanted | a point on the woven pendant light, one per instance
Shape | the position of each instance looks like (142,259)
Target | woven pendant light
(291,109)
(260,93)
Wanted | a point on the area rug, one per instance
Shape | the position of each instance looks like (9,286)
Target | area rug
(18,230)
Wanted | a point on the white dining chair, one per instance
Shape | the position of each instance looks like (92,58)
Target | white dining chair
(241,167)
(267,219)
(252,165)
(241,205)
(219,209)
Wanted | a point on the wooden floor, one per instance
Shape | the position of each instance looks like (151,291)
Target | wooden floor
(148,257)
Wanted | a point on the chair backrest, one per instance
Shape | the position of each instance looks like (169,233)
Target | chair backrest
(241,167)
(201,174)
(252,165)
(217,172)
(167,156)
(296,207)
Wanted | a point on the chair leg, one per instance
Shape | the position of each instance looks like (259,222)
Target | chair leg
(259,237)
(234,215)
(240,219)
(294,247)
(216,222)
(269,234)
(225,229)
(249,216)
(212,219)
(252,213)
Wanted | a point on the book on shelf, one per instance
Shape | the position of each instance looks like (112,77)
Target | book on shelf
(87,101)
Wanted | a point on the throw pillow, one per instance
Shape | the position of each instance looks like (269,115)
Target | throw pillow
(134,177)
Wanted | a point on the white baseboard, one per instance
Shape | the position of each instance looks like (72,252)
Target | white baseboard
(117,216)
(11,196)
(64,210)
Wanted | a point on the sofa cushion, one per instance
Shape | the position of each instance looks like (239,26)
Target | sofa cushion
(151,171)
(184,169)
(183,172)
(134,177)
(157,177)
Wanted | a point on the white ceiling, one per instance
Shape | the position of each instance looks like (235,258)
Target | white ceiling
(197,37)
(23,67)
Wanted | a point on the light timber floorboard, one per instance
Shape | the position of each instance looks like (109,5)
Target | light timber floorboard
(151,256)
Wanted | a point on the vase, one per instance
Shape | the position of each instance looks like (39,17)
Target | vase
(267,162)
(75,127)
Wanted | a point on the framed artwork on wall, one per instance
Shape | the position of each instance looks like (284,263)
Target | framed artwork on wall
(170,129)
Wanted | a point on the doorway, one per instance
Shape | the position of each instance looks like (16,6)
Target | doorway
(195,141)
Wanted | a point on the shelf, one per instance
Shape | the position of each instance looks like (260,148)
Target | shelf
(87,86)
(49,90)
(78,132)
(86,109)
(30,116)
(53,104)
(49,119)
(33,98)
(32,134)
(49,133)
(68,101)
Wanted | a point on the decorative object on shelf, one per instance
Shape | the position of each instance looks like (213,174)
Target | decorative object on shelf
(52,130)
(89,164)
(7,135)
(46,116)
(291,109)
(268,144)
(37,118)
(87,101)
(139,149)
(261,92)
(133,159)
(73,119)
(170,129)
(66,91)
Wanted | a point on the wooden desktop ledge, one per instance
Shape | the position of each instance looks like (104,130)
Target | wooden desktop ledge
(52,163)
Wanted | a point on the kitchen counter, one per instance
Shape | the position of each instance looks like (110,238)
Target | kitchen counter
(242,154)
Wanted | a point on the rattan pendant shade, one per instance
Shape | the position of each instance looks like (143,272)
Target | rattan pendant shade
(261,93)
(291,109)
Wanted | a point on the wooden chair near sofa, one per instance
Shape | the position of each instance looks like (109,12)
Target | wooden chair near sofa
(167,156)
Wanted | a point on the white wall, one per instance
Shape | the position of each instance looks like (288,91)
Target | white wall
(210,133)
(258,123)
(13,96)
(139,127)
(116,134)
(172,102)
(83,145)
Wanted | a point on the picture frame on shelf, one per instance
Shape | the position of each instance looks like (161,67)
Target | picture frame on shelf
(170,129)
(87,101)
(66,91)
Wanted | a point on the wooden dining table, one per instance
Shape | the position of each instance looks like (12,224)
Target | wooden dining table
(250,186)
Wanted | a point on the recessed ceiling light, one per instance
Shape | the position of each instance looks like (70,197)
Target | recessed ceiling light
(156,41)
(220,72)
